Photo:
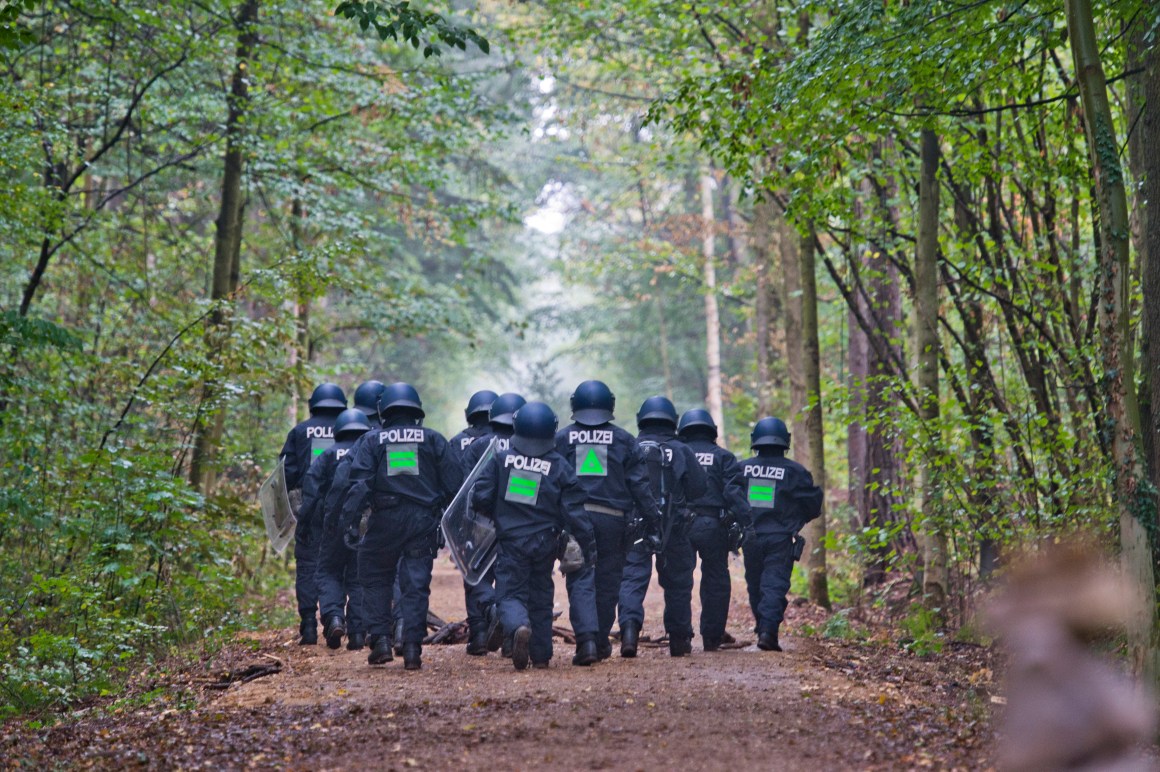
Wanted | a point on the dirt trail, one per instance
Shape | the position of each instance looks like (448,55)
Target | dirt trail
(813,706)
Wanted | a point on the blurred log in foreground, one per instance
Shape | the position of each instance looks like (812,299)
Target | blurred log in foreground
(1070,706)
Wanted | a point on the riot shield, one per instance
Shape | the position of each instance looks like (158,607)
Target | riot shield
(276,509)
(470,535)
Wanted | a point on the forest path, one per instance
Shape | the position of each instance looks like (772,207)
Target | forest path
(810,707)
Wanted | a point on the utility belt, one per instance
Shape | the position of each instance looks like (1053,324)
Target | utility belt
(385,502)
(603,510)
(717,513)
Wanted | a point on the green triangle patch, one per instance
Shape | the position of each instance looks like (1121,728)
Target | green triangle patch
(591,463)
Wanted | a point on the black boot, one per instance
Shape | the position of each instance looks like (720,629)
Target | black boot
(680,647)
(477,644)
(399,636)
(355,641)
(585,653)
(308,632)
(603,648)
(711,644)
(495,637)
(380,650)
(333,632)
(767,641)
(505,650)
(412,656)
(629,637)
(520,653)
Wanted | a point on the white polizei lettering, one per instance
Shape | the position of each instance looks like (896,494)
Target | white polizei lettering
(669,455)
(590,437)
(341,452)
(705,459)
(400,435)
(543,466)
(764,472)
(502,443)
(463,443)
(313,432)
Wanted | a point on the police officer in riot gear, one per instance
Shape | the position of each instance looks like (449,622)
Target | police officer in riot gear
(304,443)
(334,576)
(532,493)
(783,498)
(608,465)
(675,478)
(486,634)
(366,399)
(407,474)
(476,413)
(722,508)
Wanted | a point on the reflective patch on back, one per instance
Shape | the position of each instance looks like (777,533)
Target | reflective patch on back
(523,487)
(318,445)
(592,460)
(762,493)
(402,459)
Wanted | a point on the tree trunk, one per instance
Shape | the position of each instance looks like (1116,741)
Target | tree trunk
(227,239)
(764,212)
(934,557)
(1135,497)
(712,314)
(1148,204)
(815,456)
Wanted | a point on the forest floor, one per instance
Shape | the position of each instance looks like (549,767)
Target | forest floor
(820,704)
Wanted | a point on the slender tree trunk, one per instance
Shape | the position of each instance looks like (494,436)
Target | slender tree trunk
(1135,496)
(712,314)
(815,457)
(227,239)
(935,575)
(763,212)
(1147,148)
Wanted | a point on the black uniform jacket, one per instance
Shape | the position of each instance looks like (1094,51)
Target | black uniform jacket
(781,494)
(400,464)
(726,488)
(475,451)
(304,443)
(525,495)
(690,478)
(609,466)
(319,479)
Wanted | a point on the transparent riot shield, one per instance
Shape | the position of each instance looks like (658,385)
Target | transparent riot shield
(276,509)
(470,535)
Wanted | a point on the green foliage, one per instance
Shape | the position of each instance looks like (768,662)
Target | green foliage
(924,635)
(839,627)
(399,21)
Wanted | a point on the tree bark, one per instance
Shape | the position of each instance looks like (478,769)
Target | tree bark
(1135,496)
(764,212)
(227,240)
(815,456)
(935,574)
(712,314)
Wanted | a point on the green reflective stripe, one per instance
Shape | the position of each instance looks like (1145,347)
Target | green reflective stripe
(403,458)
(522,487)
(761,493)
(591,464)
(317,451)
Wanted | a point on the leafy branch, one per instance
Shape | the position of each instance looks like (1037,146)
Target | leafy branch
(399,21)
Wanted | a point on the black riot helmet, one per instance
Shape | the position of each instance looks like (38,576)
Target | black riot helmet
(769,433)
(350,424)
(593,403)
(697,422)
(535,429)
(478,406)
(400,397)
(504,407)
(327,396)
(659,409)
(366,397)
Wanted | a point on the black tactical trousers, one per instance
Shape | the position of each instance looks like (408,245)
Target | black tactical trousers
(479,599)
(708,537)
(400,540)
(593,594)
(768,568)
(524,588)
(339,589)
(674,571)
(305,566)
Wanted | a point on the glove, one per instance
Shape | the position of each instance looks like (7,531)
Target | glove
(735,536)
(634,530)
(295,499)
(799,547)
(571,558)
